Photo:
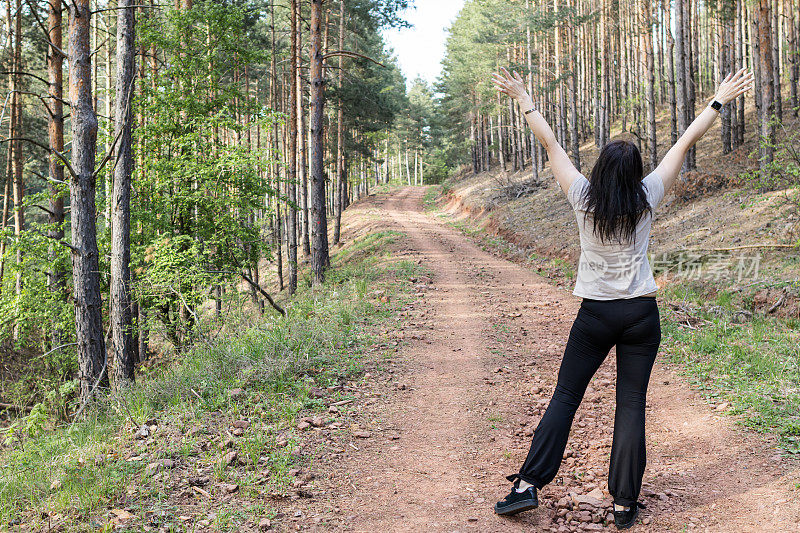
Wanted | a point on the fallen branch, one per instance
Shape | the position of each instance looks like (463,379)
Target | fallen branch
(747,247)
(264,293)
(777,304)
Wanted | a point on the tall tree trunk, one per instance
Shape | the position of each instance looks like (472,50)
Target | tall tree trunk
(671,82)
(605,102)
(338,202)
(681,97)
(291,228)
(794,57)
(319,253)
(303,138)
(776,59)
(651,85)
(91,345)
(691,78)
(17,162)
(574,134)
(56,277)
(740,62)
(122,369)
(767,127)
(275,170)
(726,20)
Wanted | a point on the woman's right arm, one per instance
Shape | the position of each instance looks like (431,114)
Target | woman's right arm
(733,86)
(560,163)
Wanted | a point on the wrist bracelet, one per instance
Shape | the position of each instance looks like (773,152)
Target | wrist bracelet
(529,111)
(716,105)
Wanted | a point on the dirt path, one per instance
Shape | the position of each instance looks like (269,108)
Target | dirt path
(455,415)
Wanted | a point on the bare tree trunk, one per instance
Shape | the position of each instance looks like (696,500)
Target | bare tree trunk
(767,127)
(56,277)
(794,34)
(338,202)
(7,198)
(691,79)
(85,265)
(122,370)
(604,119)
(672,87)
(319,253)
(303,146)
(276,224)
(291,228)
(726,20)
(17,161)
(681,97)
(651,85)
(573,104)
(776,59)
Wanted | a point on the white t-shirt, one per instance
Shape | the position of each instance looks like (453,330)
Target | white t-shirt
(610,271)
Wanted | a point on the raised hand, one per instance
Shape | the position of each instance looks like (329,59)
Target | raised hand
(734,85)
(513,86)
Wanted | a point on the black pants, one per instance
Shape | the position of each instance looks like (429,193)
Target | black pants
(633,326)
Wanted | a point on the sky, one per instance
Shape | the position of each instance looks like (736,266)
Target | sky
(420,49)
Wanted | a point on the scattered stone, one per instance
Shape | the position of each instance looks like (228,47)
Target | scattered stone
(121,514)
(237,432)
(151,469)
(264,524)
(318,421)
(723,406)
(303,425)
(143,432)
(230,458)
(588,500)
(236,393)
(596,493)
(316,392)
(198,481)
(243,424)
(362,434)
(229,488)
(55,485)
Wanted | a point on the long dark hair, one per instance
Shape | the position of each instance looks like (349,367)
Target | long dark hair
(616,196)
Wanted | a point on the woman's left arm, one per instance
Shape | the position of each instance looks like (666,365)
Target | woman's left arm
(560,163)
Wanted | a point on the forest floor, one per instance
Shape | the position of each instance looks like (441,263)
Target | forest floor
(452,412)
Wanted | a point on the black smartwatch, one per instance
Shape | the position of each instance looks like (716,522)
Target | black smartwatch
(716,105)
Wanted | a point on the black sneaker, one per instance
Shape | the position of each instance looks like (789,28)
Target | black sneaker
(516,502)
(626,519)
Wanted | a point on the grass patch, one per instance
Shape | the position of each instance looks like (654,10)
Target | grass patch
(752,364)
(432,195)
(74,475)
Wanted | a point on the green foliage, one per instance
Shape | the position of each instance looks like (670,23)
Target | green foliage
(197,192)
(783,172)
(82,469)
(753,365)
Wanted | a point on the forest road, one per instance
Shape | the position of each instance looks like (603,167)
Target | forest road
(484,345)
